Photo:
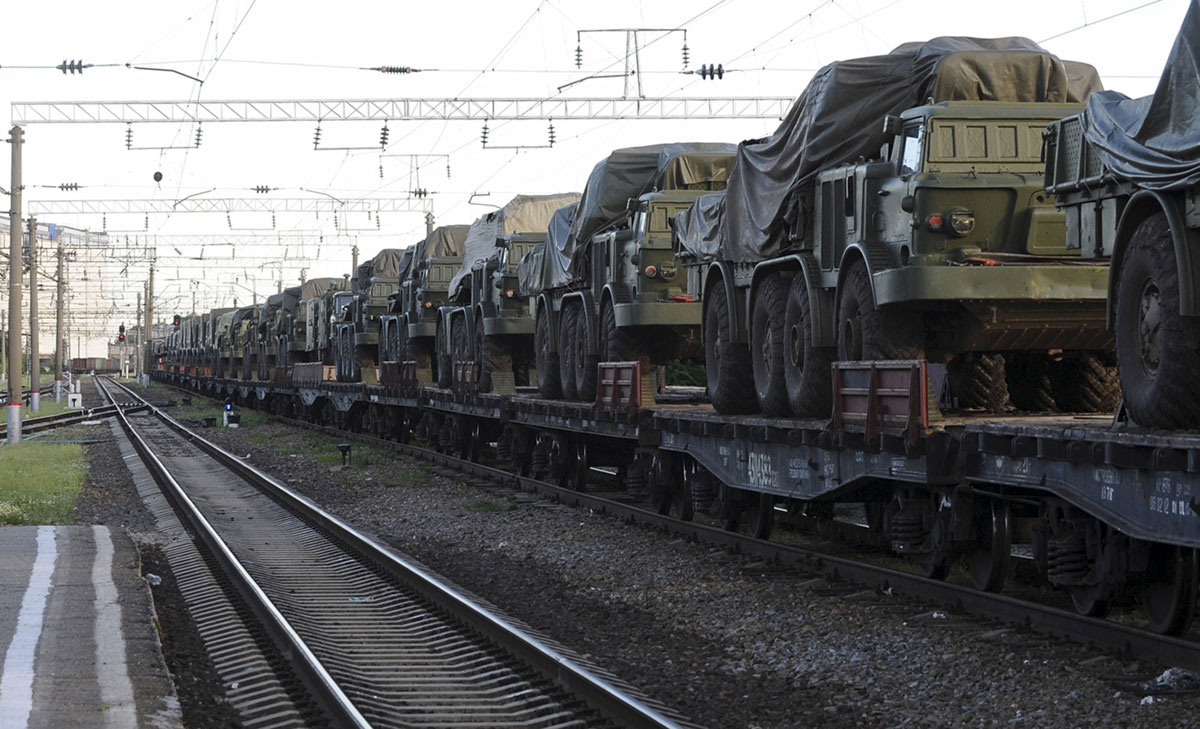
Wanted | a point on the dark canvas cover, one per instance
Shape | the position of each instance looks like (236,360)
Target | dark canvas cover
(546,266)
(1155,140)
(839,119)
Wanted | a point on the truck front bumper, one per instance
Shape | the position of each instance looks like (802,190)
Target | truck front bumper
(658,313)
(1082,283)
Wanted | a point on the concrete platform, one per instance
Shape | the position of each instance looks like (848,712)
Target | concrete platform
(78,644)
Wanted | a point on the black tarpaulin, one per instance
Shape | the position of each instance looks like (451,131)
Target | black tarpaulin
(1155,140)
(698,228)
(548,269)
(839,119)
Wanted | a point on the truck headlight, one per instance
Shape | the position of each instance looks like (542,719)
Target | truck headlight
(960,222)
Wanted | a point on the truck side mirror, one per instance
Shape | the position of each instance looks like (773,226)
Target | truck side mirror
(502,242)
(891,125)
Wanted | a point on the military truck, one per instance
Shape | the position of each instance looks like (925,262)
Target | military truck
(228,349)
(412,313)
(292,329)
(210,350)
(489,319)
(898,213)
(608,291)
(356,333)
(1125,173)
(314,315)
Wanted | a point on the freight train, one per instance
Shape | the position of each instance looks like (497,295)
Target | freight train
(914,333)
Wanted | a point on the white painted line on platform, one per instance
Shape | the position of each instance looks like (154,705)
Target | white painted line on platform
(112,672)
(16,682)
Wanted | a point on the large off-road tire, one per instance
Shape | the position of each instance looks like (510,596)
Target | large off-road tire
(730,376)
(460,341)
(1158,349)
(867,332)
(567,318)
(585,363)
(767,346)
(806,369)
(1028,378)
(617,344)
(977,379)
(545,359)
(494,354)
(444,370)
(1086,384)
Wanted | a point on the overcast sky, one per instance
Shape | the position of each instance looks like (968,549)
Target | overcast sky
(272,49)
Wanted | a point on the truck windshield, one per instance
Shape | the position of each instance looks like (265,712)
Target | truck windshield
(911,154)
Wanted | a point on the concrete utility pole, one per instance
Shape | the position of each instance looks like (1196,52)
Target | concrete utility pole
(35,365)
(59,334)
(14,292)
(149,325)
(428,224)
(137,350)
(354,261)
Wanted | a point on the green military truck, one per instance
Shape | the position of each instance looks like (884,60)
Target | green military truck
(898,213)
(608,291)
(1126,174)
(314,317)
(489,320)
(356,333)
(412,313)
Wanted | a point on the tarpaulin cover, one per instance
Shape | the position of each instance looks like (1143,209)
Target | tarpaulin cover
(548,268)
(627,174)
(522,214)
(1155,140)
(444,242)
(315,287)
(839,118)
(386,263)
(698,228)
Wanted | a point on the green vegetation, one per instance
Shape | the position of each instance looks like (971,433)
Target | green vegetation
(39,482)
(48,407)
(485,506)
(683,372)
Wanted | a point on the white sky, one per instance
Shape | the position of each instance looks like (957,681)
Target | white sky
(311,50)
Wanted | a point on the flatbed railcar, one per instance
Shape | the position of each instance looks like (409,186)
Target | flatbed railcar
(1100,508)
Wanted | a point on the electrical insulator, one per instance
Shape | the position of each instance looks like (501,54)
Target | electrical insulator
(395,69)
(335,221)
(578,56)
(199,135)
(317,137)
(447,168)
(262,189)
(73,66)
(485,133)
(147,222)
(710,71)
(229,219)
(129,136)
(381,170)
(383,136)
(551,133)
(104,221)
(686,57)
(272,221)
(69,186)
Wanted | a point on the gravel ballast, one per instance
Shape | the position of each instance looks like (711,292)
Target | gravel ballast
(728,641)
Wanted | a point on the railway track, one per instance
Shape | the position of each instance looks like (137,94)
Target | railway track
(374,638)
(70,417)
(1123,639)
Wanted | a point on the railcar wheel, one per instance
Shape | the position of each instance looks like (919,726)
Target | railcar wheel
(989,558)
(760,515)
(460,341)
(1170,587)
(727,363)
(1157,347)
(567,319)
(547,361)
(767,336)
(580,467)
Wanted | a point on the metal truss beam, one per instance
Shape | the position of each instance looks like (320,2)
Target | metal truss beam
(231,205)
(510,109)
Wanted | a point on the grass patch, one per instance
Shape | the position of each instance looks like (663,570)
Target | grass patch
(49,407)
(407,477)
(484,506)
(39,482)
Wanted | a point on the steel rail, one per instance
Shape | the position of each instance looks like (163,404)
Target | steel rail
(563,671)
(70,417)
(291,646)
(1123,639)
